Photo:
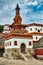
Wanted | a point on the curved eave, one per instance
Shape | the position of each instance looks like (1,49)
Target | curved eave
(35,33)
(17,36)
(22,25)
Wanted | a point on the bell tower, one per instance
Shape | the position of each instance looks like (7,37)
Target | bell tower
(17,19)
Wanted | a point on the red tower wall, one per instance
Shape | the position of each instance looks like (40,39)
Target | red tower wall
(38,51)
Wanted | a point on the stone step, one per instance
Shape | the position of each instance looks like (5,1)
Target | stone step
(29,56)
(22,55)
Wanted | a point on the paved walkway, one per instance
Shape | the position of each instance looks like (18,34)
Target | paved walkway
(4,61)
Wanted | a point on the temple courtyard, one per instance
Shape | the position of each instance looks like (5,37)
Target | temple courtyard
(4,61)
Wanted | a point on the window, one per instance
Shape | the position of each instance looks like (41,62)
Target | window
(38,30)
(36,37)
(30,43)
(35,28)
(10,43)
(15,42)
(41,29)
(30,28)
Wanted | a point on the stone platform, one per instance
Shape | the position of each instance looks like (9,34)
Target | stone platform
(4,61)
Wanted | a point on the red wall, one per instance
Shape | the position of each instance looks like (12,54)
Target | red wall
(38,51)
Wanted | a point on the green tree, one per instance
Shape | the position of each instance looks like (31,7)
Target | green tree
(1,28)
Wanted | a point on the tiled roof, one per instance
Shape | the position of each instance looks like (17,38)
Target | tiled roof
(7,24)
(35,24)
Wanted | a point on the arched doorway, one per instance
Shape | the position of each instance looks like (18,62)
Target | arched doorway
(23,47)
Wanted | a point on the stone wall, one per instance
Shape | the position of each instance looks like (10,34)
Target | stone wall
(11,53)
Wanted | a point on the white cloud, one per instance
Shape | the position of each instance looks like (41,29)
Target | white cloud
(6,20)
(32,3)
(5,7)
(26,1)
(25,11)
(39,5)
(11,6)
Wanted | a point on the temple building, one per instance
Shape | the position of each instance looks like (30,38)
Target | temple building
(21,37)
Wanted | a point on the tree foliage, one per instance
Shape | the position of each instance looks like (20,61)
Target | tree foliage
(1,28)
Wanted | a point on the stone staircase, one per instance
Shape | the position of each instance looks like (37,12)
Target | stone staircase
(23,56)
(27,56)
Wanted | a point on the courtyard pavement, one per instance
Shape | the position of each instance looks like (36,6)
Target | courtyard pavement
(4,61)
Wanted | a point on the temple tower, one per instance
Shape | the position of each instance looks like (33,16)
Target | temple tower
(17,19)
(17,26)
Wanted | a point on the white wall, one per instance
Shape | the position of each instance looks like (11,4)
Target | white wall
(6,27)
(33,28)
(6,32)
(38,37)
(19,42)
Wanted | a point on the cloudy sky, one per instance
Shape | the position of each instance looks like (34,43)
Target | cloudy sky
(31,11)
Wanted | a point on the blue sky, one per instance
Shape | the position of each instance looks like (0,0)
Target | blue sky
(31,11)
